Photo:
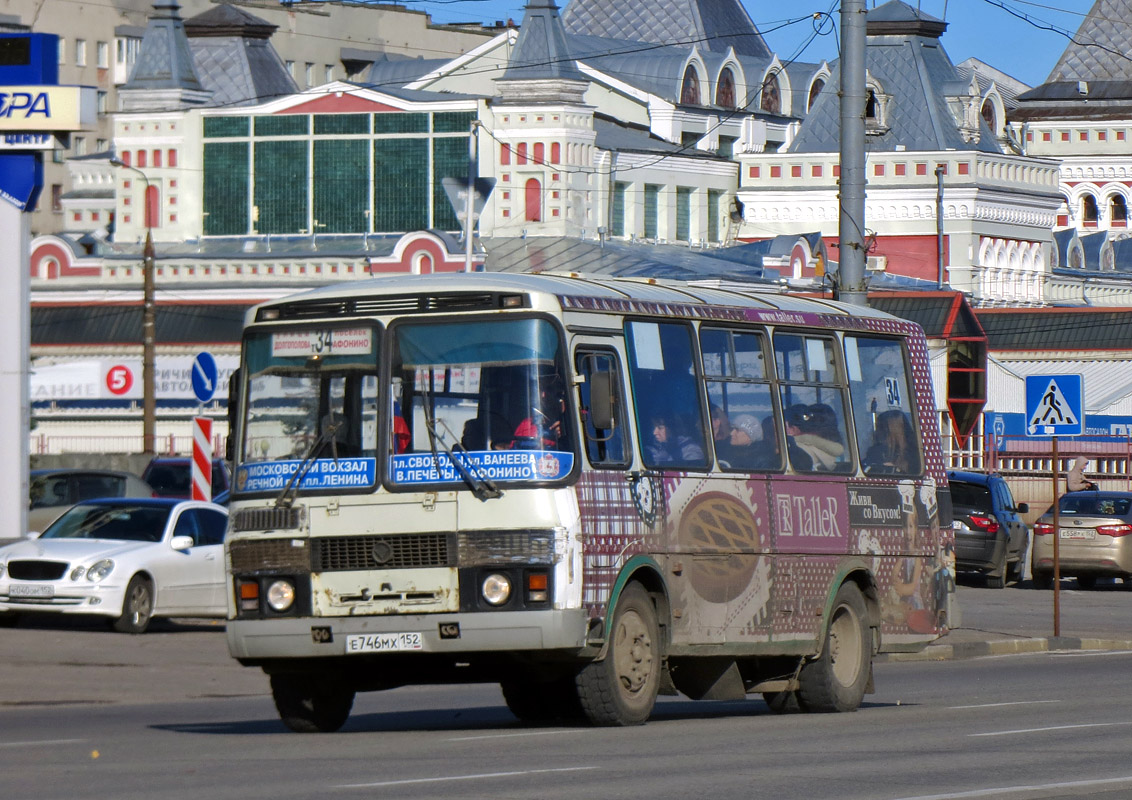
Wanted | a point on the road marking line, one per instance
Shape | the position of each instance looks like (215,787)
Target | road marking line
(999,705)
(509,735)
(1037,787)
(480,776)
(1053,728)
(40,742)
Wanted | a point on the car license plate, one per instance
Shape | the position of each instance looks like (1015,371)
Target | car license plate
(383,642)
(1078,533)
(37,591)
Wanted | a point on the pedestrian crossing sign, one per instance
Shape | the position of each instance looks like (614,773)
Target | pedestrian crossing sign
(1055,405)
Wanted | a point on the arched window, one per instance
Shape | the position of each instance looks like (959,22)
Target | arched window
(555,153)
(504,153)
(725,89)
(1089,211)
(1118,211)
(815,90)
(989,116)
(152,207)
(141,158)
(521,155)
(771,101)
(871,107)
(540,153)
(690,88)
(533,200)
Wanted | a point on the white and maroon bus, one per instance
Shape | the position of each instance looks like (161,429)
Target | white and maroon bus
(590,491)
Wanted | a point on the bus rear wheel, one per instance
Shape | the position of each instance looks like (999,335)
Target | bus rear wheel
(621,689)
(311,703)
(835,681)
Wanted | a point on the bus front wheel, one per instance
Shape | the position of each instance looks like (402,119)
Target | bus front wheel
(836,680)
(621,689)
(311,703)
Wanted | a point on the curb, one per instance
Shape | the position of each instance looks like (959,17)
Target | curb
(964,650)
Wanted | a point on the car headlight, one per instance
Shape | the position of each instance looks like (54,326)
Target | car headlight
(100,570)
(496,589)
(3,567)
(280,595)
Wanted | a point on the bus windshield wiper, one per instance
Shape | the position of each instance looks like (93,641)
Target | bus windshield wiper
(482,487)
(285,498)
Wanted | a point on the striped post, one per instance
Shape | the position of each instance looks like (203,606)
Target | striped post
(202,458)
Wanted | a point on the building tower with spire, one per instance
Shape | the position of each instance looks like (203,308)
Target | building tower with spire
(543,135)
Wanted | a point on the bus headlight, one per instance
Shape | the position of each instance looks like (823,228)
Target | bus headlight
(496,589)
(280,595)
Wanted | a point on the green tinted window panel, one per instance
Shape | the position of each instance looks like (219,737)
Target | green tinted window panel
(341,185)
(393,122)
(216,127)
(449,160)
(652,210)
(400,185)
(334,124)
(281,187)
(714,198)
(225,201)
(617,223)
(683,213)
(453,122)
(283,125)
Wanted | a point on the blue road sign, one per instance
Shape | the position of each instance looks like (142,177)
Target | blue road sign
(204,376)
(1055,405)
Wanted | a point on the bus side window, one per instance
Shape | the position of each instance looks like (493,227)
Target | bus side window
(882,406)
(813,403)
(666,394)
(602,408)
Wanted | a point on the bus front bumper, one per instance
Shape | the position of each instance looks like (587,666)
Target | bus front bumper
(327,637)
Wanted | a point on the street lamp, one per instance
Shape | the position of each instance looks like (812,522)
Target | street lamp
(149,323)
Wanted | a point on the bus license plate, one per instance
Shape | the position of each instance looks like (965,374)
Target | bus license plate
(383,642)
(1075,533)
(37,591)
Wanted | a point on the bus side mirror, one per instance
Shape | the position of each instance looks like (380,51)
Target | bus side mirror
(601,400)
(233,414)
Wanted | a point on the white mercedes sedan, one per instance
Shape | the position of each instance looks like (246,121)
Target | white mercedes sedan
(126,559)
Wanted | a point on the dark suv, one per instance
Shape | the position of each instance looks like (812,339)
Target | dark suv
(171,476)
(990,536)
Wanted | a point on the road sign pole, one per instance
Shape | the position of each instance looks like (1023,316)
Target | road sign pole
(202,458)
(1056,544)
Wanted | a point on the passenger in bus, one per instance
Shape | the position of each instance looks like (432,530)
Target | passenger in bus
(814,431)
(750,447)
(669,446)
(891,450)
(721,434)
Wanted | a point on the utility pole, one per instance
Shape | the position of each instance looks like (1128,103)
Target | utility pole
(149,322)
(851,221)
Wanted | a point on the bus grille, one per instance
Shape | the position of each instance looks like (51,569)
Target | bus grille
(37,570)
(254,555)
(390,304)
(273,518)
(403,551)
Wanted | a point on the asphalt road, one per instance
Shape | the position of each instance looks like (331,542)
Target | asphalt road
(1037,726)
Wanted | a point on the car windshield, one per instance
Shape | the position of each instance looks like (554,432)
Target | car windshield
(970,495)
(125,523)
(1093,506)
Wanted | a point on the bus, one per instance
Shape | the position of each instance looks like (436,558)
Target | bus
(591,491)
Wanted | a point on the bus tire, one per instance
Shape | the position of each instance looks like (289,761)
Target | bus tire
(835,681)
(621,689)
(311,703)
(542,701)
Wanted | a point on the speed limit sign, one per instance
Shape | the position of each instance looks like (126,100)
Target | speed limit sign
(119,379)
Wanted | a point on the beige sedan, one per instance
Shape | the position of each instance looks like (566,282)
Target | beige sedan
(1094,539)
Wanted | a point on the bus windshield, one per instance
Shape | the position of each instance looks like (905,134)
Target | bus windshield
(479,401)
(311,400)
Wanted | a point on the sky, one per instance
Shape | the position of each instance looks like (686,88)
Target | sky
(1013,39)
